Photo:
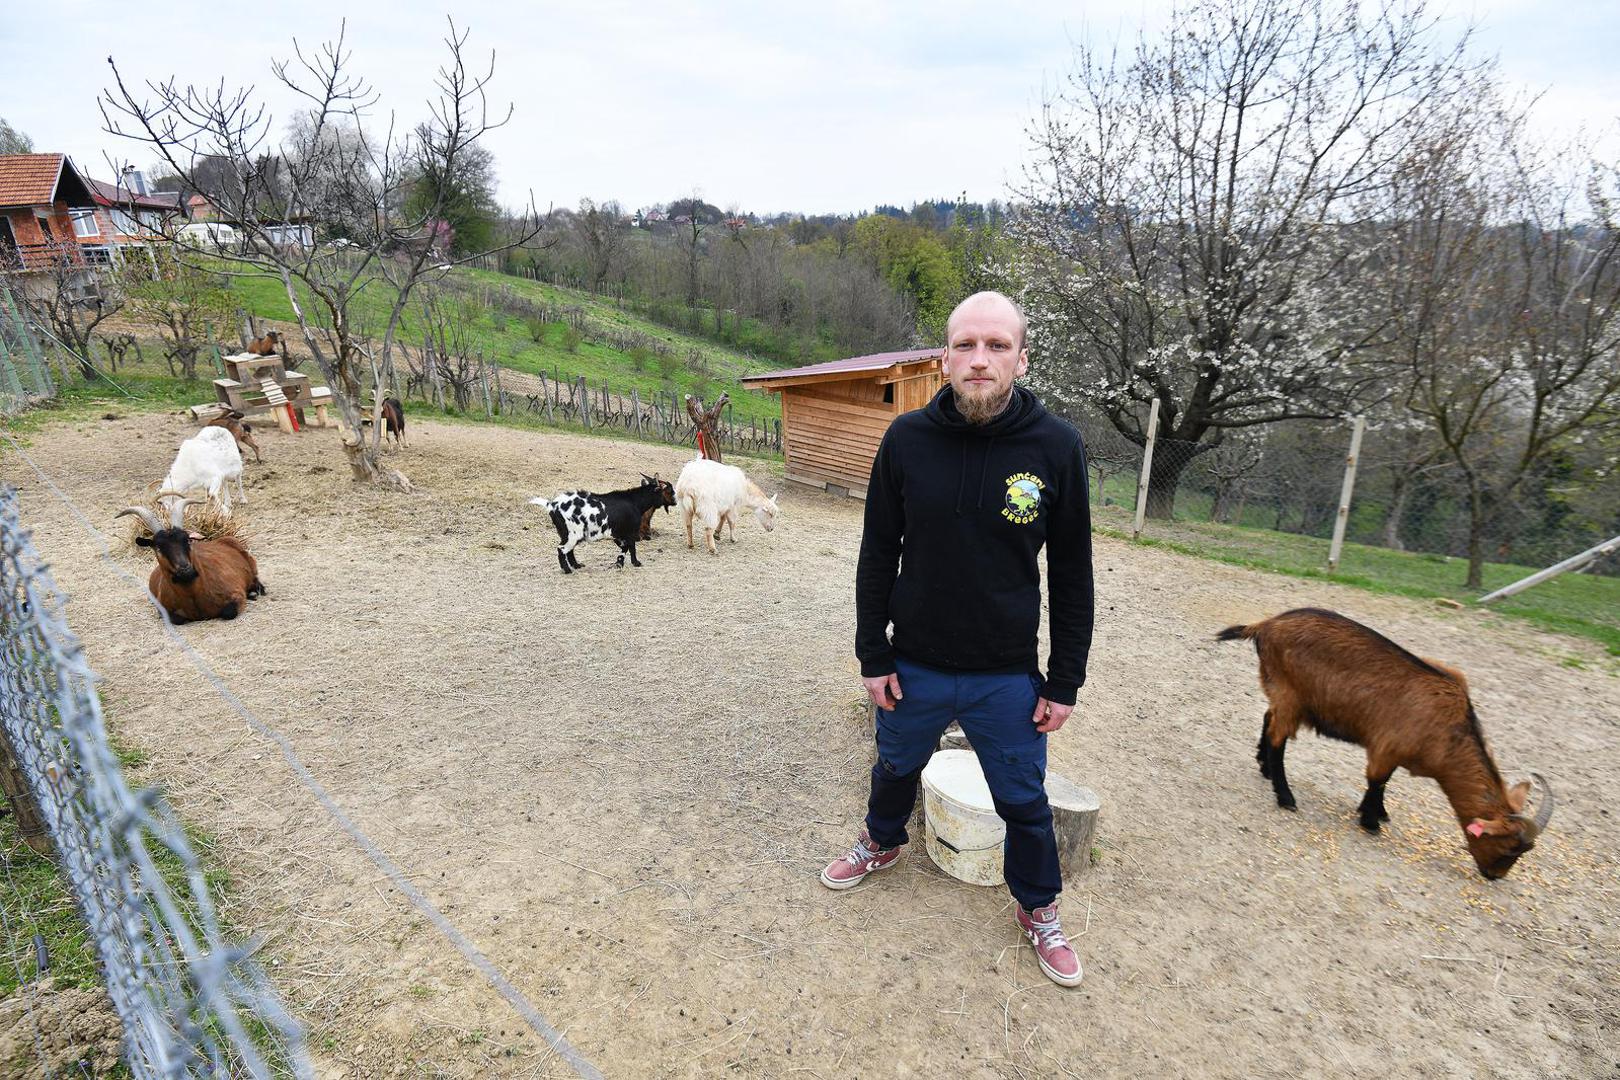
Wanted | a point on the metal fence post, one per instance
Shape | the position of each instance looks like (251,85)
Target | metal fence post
(1147,469)
(1343,518)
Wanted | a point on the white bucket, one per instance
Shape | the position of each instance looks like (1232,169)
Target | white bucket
(964,836)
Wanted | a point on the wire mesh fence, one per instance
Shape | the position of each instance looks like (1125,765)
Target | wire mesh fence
(25,360)
(190,1002)
(1273,495)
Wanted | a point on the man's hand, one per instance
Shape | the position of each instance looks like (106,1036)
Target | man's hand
(1049,716)
(884,690)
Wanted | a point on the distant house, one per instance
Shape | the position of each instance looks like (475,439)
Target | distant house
(44,205)
(198,208)
(126,215)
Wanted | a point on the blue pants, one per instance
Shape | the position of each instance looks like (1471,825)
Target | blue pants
(995,712)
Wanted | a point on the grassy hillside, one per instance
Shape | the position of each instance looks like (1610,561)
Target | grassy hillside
(508,341)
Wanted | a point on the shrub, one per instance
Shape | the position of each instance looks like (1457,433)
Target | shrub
(640,356)
(571,339)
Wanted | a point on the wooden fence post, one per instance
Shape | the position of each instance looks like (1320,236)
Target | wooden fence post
(1337,546)
(30,822)
(1147,469)
(635,405)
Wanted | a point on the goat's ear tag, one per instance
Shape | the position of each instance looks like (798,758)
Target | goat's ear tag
(1475,829)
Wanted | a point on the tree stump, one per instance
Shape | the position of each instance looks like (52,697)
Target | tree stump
(1074,808)
(1074,818)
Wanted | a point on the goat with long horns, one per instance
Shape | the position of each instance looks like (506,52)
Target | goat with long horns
(195,578)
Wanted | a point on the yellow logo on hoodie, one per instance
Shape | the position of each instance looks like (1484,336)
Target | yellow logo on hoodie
(1023,498)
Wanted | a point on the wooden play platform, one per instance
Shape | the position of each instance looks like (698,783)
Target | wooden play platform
(258,384)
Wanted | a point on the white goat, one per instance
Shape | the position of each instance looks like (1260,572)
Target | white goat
(208,460)
(716,493)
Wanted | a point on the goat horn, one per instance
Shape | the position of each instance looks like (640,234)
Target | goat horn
(177,511)
(1544,809)
(149,519)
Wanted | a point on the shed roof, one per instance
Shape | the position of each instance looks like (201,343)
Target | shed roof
(854,365)
(40,180)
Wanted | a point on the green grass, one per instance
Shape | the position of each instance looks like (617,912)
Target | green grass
(1582,605)
(513,347)
(146,388)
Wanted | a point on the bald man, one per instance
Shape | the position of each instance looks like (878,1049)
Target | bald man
(964,495)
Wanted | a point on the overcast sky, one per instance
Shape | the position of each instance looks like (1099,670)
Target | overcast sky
(830,106)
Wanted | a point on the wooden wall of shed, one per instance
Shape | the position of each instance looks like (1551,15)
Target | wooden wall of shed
(831,431)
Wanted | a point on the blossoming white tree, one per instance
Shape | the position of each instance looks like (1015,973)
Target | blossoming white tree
(1190,228)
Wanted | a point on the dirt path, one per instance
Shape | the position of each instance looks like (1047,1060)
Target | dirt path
(621,785)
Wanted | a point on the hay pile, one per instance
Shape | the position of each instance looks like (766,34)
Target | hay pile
(206,520)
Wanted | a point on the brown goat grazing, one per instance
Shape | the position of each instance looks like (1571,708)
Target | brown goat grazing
(196,579)
(1321,670)
(265,346)
(234,423)
(666,492)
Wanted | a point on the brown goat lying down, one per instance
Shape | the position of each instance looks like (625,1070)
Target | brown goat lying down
(1321,670)
(196,579)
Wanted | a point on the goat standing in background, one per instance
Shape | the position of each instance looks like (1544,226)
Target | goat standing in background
(208,460)
(240,429)
(581,516)
(715,494)
(666,501)
(1321,670)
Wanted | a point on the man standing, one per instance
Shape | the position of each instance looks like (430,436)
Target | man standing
(964,494)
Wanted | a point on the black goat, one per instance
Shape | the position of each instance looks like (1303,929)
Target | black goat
(581,516)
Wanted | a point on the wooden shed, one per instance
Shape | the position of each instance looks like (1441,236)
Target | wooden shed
(834,414)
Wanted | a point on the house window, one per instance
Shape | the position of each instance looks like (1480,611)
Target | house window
(84,223)
(124,222)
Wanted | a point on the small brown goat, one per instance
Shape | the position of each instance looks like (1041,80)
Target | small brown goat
(393,420)
(1321,670)
(234,423)
(666,492)
(268,345)
(196,579)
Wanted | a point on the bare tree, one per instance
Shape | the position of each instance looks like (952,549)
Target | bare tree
(1505,311)
(1188,232)
(689,234)
(601,231)
(324,211)
(182,299)
(70,298)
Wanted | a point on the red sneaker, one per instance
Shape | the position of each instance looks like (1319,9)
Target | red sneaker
(848,871)
(1058,959)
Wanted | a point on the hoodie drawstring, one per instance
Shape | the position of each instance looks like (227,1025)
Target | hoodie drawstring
(985,468)
(961,483)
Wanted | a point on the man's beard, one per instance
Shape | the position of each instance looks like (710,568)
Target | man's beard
(979,409)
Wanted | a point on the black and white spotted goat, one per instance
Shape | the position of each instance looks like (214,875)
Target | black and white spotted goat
(581,516)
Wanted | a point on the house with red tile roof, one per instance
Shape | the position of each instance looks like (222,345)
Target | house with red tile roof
(43,203)
(126,214)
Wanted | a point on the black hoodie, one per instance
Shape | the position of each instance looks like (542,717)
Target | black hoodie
(956,514)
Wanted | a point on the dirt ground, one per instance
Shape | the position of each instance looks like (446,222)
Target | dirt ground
(621,787)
